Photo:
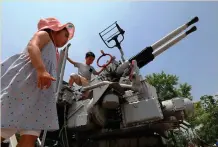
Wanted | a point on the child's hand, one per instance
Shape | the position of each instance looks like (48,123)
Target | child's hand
(103,67)
(44,79)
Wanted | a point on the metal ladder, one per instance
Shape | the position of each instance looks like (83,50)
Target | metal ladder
(60,75)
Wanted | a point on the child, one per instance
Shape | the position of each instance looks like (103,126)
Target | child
(28,84)
(85,70)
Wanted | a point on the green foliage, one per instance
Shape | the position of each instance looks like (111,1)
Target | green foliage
(206,110)
(177,139)
(168,87)
(206,114)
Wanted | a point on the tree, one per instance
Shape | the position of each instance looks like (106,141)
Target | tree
(206,110)
(206,114)
(168,87)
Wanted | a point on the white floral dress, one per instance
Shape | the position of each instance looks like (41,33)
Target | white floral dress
(23,104)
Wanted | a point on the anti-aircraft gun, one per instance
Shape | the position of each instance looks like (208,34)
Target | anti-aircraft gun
(122,108)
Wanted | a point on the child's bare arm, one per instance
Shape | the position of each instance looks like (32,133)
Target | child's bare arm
(39,40)
(73,62)
(98,72)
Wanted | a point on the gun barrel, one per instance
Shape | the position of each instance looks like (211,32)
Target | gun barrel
(174,41)
(174,33)
(146,55)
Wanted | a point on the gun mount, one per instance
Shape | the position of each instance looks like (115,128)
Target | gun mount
(121,104)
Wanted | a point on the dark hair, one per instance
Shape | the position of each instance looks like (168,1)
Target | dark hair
(90,54)
(47,30)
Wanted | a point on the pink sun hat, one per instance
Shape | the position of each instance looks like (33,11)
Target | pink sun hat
(55,25)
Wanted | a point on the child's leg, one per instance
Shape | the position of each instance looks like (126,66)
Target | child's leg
(84,82)
(74,78)
(7,133)
(28,138)
(71,81)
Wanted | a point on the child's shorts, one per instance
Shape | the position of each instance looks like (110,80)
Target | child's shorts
(7,133)
(79,80)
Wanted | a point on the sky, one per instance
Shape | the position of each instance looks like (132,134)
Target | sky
(194,59)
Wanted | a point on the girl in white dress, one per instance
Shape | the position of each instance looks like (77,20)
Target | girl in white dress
(28,84)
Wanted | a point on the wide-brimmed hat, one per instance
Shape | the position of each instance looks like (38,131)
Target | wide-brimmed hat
(55,25)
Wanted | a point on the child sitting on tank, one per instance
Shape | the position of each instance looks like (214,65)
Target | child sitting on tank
(85,71)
